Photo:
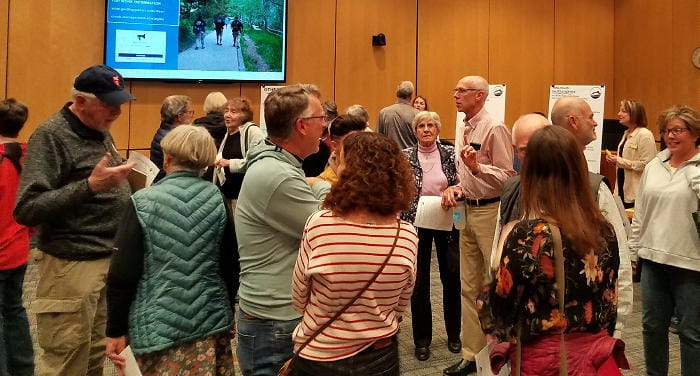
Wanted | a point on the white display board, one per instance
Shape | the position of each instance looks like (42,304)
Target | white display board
(264,92)
(595,96)
(495,103)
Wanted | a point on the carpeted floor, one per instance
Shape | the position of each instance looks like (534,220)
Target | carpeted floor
(440,356)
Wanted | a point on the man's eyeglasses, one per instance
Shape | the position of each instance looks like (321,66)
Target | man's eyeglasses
(674,131)
(313,117)
(462,90)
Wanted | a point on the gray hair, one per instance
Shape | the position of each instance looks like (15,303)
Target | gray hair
(215,102)
(426,115)
(358,110)
(172,106)
(74,93)
(405,90)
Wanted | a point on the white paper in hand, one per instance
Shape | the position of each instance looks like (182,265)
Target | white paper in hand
(131,368)
(431,215)
(483,363)
(144,166)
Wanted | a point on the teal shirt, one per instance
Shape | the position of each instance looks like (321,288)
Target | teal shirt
(273,206)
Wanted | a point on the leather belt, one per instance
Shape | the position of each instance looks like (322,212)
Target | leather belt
(481,201)
(380,344)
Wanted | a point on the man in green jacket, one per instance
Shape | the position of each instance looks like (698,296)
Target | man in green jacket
(273,205)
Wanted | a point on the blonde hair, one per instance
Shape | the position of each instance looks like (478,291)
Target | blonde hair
(215,102)
(191,148)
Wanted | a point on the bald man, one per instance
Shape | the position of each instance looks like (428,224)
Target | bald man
(484,163)
(575,115)
(523,128)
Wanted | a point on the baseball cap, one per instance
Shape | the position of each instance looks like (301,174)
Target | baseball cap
(106,83)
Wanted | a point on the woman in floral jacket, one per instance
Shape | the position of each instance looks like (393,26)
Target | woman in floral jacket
(523,295)
(434,170)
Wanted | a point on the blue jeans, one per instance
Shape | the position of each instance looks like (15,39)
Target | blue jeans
(263,345)
(664,289)
(16,352)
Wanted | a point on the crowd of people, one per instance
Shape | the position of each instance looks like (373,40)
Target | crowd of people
(299,239)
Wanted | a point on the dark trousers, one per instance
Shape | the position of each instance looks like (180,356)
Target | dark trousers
(16,352)
(368,362)
(447,247)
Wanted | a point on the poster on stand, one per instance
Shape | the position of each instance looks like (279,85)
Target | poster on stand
(594,95)
(265,90)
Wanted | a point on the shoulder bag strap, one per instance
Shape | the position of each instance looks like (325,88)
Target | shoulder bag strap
(349,303)
(561,292)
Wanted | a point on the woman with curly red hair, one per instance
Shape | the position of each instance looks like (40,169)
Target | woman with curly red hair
(342,248)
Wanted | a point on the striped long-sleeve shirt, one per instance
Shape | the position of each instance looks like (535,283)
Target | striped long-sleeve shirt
(336,260)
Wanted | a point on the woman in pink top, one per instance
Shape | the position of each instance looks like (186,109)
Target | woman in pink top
(341,249)
(434,170)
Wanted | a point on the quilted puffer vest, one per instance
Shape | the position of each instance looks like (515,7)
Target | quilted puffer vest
(181,296)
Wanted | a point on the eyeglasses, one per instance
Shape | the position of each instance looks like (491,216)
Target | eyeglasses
(462,90)
(314,117)
(674,131)
(188,112)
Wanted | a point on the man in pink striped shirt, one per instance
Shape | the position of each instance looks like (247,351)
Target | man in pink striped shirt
(484,162)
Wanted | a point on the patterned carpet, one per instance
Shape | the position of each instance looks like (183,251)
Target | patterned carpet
(440,356)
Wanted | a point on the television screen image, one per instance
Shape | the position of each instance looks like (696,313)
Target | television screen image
(197,40)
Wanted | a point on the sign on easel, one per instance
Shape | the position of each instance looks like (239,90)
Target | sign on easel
(594,95)
(264,92)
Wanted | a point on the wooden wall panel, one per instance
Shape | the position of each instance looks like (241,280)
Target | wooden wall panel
(311,44)
(638,48)
(144,114)
(643,50)
(453,42)
(366,74)
(521,53)
(685,28)
(4,26)
(583,46)
(45,58)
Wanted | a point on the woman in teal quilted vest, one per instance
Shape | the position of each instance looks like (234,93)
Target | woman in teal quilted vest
(174,273)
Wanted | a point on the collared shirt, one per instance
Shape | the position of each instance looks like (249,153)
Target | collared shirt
(495,157)
(395,122)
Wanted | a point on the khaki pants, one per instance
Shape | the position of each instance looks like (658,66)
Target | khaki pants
(71,315)
(475,245)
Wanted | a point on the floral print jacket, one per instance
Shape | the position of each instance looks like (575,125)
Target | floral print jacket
(524,288)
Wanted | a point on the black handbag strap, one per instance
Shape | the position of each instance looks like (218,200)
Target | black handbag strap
(351,301)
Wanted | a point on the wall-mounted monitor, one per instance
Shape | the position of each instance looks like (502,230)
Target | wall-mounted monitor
(197,40)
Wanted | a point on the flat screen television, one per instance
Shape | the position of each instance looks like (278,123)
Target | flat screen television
(197,40)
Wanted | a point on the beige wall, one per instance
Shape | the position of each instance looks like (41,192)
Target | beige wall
(637,48)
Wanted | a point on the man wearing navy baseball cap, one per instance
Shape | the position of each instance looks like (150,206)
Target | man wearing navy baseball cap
(73,187)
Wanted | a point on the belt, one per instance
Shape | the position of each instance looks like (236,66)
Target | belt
(380,344)
(481,201)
